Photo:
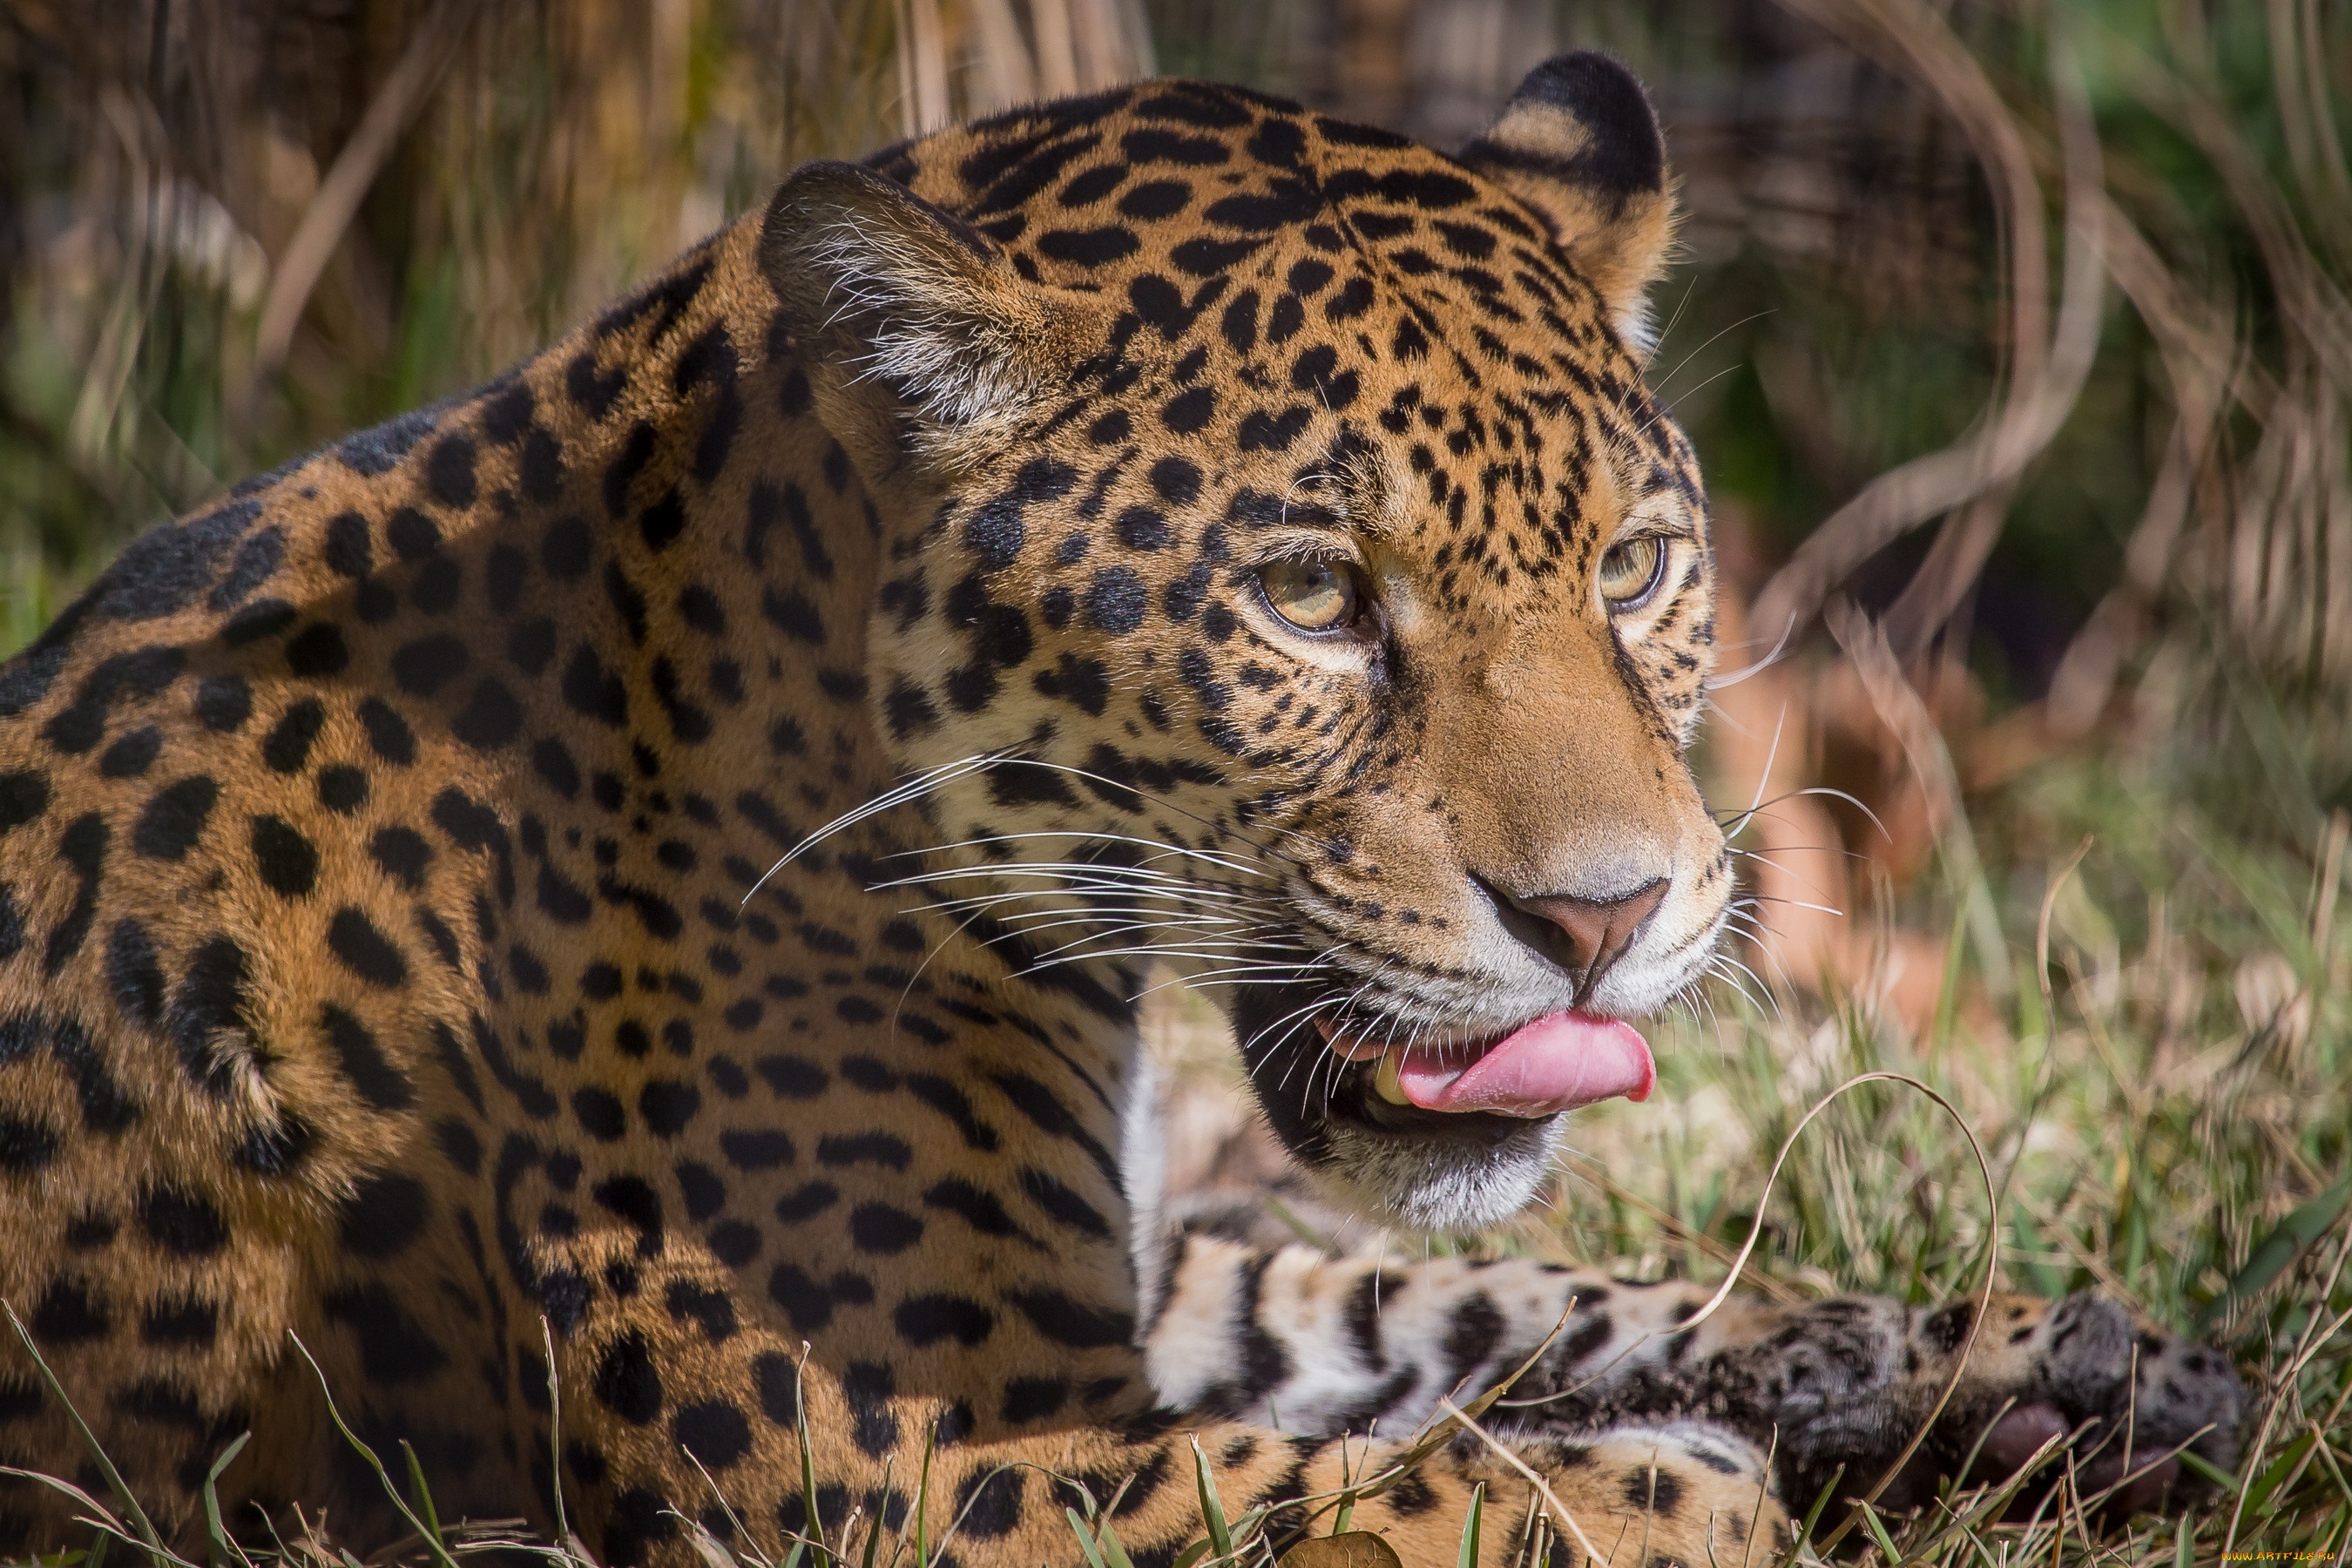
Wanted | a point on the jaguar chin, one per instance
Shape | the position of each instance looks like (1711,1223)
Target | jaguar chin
(1424,1170)
(1451,1120)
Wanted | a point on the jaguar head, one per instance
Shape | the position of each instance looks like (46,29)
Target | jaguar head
(1288,573)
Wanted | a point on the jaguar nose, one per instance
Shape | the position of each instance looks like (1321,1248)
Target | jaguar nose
(1583,936)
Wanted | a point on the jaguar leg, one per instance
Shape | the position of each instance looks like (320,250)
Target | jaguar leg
(1833,1389)
(659,1432)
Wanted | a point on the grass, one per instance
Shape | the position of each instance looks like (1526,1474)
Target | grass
(2166,1102)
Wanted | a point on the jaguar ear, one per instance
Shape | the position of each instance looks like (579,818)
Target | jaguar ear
(1580,143)
(918,332)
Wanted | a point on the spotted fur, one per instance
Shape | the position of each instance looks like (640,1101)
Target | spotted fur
(470,876)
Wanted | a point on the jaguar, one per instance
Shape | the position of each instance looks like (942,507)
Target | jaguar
(601,922)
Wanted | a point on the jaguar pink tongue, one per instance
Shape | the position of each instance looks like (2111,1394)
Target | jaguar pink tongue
(1558,1062)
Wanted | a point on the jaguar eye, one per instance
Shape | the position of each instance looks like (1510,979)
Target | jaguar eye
(1631,570)
(1313,596)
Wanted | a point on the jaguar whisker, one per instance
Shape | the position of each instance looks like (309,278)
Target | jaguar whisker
(1161,847)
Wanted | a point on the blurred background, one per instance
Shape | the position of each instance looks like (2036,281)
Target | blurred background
(2014,337)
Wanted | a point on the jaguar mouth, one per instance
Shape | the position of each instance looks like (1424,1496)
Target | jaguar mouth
(1452,1133)
(1540,1069)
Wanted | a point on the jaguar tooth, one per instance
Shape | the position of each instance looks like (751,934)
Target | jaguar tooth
(1388,1082)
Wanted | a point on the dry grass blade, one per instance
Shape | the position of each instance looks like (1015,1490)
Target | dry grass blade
(1958,557)
(957,59)
(1434,1434)
(431,49)
(2307,1346)
(1567,1520)
(1676,1226)
(1900,709)
(2045,382)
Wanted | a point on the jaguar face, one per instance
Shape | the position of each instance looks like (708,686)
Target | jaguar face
(1292,577)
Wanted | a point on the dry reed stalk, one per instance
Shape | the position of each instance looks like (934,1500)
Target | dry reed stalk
(430,49)
(960,58)
(923,104)
(2202,361)
(2274,532)
(1958,557)
(1901,709)
(2047,374)
(2280,558)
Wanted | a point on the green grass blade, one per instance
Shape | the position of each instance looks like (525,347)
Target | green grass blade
(1948,998)
(222,1551)
(815,1532)
(2207,1471)
(106,1533)
(705,1545)
(1191,1554)
(433,1548)
(1813,1514)
(2289,1461)
(2277,1253)
(1086,1541)
(104,1520)
(421,1495)
(139,1520)
(923,1501)
(1346,1509)
(874,1532)
(1467,1556)
(1212,1510)
(1877,1529)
